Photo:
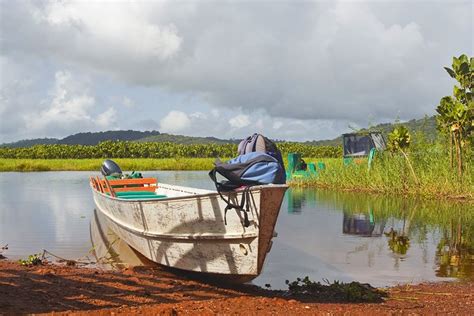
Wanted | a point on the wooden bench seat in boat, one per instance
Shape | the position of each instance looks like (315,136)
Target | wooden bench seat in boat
(130,189)
(138,184)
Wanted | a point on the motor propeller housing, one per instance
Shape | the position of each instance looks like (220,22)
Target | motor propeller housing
(110,167)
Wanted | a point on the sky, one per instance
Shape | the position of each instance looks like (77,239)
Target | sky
(293,70)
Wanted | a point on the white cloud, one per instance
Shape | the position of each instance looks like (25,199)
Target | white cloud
(240,121)
(86,22)
(107,119)
(277,124)
(198,115)
(175,121)
(128,103)
(69,108)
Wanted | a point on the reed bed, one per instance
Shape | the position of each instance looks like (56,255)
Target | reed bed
(137,164)
(390,174)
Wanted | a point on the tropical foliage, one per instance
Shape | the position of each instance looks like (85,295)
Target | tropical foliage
(390,174)
(399,140)
(456,113)
(111,149)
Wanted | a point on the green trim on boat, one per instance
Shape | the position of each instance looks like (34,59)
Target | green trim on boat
(130,195)
(124,193)
(142,197)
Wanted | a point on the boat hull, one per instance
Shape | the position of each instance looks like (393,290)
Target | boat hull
(188,231)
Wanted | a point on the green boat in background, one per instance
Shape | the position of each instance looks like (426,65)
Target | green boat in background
(298,168)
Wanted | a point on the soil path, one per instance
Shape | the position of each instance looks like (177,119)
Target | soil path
(154,291)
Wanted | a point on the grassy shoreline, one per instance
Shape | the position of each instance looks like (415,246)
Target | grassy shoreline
(388,176)
(137,164)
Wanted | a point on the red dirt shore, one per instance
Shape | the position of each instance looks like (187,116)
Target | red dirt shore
(58,290)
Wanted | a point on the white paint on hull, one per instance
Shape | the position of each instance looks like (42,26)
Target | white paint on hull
(187,230)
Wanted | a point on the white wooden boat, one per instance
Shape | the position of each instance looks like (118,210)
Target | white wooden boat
(186,229)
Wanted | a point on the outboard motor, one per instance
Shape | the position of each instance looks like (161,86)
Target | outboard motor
(110,168)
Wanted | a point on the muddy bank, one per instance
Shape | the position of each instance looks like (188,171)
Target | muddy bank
(152,290)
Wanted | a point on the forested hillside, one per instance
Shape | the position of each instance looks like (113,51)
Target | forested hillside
(427,125)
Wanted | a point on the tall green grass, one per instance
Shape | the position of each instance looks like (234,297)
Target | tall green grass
(138,164)
(389,174)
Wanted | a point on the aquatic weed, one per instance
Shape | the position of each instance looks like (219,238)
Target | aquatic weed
(351,292)
(32,260)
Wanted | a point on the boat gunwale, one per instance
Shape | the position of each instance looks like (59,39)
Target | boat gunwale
(186,197)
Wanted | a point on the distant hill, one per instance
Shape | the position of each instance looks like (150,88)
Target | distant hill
(95,138)
(181,139)
(85,138)
(32,142)
(427,125)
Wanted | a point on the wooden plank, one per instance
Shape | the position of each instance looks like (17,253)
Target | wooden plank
(93,183)
(109,187)
(100,185)
(137,181)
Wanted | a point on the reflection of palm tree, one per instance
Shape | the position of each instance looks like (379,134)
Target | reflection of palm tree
(455,253)
(399,242)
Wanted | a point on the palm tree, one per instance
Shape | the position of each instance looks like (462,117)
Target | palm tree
(399,140)
(456,113)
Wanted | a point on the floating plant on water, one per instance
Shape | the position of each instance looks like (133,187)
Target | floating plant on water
(351,292)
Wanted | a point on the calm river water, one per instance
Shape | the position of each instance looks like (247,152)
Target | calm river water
(321,234)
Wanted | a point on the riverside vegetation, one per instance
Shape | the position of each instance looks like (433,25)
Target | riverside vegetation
(135,156)
(425,169)
(119,149)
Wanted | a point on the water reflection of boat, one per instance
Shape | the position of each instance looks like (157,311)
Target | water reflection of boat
(362,224)
(110,251)
(186,229)
(299,198)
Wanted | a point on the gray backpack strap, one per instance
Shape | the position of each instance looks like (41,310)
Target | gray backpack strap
(260,144)
(251,142)
(242,146)
(255,143)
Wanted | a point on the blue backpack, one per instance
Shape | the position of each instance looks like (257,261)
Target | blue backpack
(258,142)
(247,170)
(250,169)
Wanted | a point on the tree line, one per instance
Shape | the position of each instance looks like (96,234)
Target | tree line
(124,149)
